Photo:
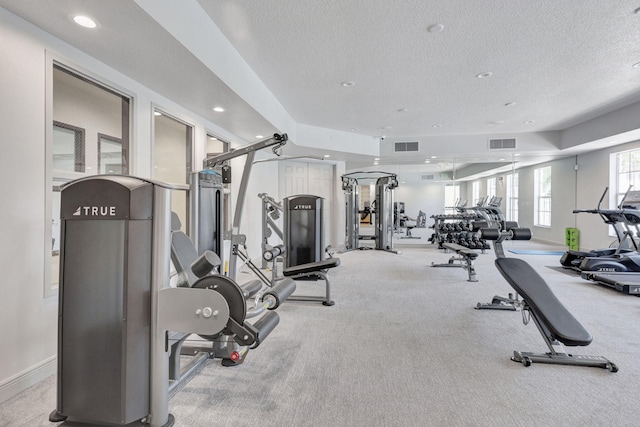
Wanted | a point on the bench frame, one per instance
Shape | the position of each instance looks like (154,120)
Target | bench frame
(557,353)
(464,260)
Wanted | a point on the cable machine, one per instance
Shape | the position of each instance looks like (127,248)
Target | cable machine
(382,211)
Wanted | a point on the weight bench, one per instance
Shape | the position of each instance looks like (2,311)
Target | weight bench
(308,271)
(313,271)
(465,258)
(555,323)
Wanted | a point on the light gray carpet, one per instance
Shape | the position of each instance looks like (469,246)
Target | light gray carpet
(403,346)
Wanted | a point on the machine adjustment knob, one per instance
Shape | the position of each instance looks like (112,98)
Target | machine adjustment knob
(207,312)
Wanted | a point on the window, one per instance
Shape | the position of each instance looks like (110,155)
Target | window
(172,159)
(451,196)
(475,193)
(68,147)
(512,197)
(627,172)
(112,157)
(89,135)
(491,188)
(542,197)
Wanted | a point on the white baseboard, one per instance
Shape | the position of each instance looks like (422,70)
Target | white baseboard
(25,379)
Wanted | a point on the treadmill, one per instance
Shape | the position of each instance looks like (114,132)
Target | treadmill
(624,282)
(615,218)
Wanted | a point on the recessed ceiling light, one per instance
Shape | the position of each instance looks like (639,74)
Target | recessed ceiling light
(157,113)
(435,28)
(436,126)
(259,136)
(509,104)
(84,21)
(516,154)
(376,159)
(348,83)
(434,157)
(495,123)
(326,156)
(354,129)
(402,110)
(636,65)
(427,161)
(218,109)
(528,122)
(501,160)
(213,138)
(375,163)
(484,75)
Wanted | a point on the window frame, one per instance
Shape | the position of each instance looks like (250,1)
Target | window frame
(542,209)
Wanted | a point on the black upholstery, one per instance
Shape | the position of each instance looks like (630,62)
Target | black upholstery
(311,267)
(554,318)
(184,255)
(469,253)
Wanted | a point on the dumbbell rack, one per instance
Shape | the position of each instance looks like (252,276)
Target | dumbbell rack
(458,229)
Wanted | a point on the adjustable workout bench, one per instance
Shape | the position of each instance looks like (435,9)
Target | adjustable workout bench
(555,323)
(308,271)
(466,258)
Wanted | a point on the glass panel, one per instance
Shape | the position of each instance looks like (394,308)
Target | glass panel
(110,155)
(172,152)
(90,134)
(67,148)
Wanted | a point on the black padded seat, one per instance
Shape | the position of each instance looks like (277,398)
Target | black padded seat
(311,267)
(553,316)
(471,254)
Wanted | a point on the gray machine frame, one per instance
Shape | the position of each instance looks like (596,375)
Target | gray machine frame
(384,223)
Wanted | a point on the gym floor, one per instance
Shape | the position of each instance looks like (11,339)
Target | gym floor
(404,346)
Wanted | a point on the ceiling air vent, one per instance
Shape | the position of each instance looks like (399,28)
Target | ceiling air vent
(428,177)
(406,146)
(502,144)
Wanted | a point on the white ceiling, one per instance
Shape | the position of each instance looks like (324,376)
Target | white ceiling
(553,64)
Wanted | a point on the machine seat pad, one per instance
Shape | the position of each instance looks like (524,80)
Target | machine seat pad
(311,267)
(543,303)
(459,249)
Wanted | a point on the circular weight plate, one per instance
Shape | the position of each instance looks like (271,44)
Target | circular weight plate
(230,291)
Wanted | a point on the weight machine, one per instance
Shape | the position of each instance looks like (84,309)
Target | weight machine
(382,212)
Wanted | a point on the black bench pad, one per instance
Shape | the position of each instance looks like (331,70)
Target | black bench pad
(461,250)
(554,317)
(311,267)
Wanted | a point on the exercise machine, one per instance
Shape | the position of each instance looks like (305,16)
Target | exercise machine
(621,261)
(119,320)
(302,250)
(276,142)
(385,183)
(616,219)
(556,324)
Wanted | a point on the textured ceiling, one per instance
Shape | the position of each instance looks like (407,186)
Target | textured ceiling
(553,63)
(560,62)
